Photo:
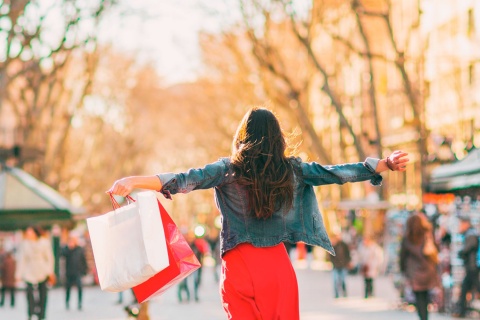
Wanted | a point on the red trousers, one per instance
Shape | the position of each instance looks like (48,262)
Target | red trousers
(259,284)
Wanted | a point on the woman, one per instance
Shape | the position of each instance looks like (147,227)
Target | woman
(35,267)
(371,262)
(265,198)
(419,269)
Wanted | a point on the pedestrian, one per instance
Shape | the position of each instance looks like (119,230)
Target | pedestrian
(419,268)
(120,297)
(265,198)
(468,253)
(35,267)
(214,243)
(341,264)
(198,248)
(7,271)
(88,250)
(371,262)
(75,269)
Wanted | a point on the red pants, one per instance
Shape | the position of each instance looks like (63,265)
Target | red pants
(259,284)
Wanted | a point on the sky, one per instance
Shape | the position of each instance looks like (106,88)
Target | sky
(166,32)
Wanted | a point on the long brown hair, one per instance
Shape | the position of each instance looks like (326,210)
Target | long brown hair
(416,229)
(260,163)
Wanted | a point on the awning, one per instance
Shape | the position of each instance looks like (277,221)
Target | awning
(26,201)
(462,174)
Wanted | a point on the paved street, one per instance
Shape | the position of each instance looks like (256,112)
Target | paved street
(316,302)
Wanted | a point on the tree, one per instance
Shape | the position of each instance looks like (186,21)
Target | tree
(344,40)
(375,39)
(46,69)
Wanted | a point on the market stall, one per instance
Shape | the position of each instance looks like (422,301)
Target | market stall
(454,191)
(25,200)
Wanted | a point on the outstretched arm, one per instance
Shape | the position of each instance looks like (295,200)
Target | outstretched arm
(210,176)
(316,174)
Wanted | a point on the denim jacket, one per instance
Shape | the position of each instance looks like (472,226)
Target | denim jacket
(302,222)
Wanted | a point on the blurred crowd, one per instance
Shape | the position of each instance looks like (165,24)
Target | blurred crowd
(422,267)
(35,264)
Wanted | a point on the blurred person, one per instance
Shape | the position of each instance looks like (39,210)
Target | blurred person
(341,264)
(203,249)
(265,198)
(214,243)
(468,253)
(88,250)
(371,262)
(419,270)
(309,254)
(36,268)
(183,287)
(289,247)
(120,297)
(199,249)
(75,269)
(7,270)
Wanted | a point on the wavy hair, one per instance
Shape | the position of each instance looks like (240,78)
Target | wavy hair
(259,162)
(416,229)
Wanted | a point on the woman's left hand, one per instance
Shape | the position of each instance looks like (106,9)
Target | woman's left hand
(397,161)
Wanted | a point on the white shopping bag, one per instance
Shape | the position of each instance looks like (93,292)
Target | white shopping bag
(129,243)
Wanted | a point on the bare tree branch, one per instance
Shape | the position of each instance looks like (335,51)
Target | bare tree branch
(261,52)
(326,85)
(356,6)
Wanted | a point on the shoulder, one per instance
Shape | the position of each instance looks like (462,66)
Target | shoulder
(226,161)
(296,161)
(224,164)
(297,164)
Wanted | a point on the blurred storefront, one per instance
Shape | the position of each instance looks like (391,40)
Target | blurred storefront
(26,201)
(454,191)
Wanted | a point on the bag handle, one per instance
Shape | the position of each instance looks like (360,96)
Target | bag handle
(114,202)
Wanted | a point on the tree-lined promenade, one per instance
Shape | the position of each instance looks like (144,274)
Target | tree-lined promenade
(352,79)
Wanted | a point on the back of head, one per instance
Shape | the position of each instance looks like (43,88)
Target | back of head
(72,240)
(32,233)
(260,163)
(415,231)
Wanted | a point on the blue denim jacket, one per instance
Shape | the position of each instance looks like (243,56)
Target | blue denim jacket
(302,222)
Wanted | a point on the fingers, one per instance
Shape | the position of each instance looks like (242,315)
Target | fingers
(120,187)
(399,161)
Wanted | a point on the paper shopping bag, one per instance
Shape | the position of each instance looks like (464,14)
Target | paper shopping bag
(182,262)
(128,243)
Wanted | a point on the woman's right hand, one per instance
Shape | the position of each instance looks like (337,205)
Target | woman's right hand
(122,187)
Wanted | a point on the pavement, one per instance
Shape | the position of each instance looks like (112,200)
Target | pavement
(316,302)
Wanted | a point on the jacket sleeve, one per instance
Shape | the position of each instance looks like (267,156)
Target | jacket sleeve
(315,174)
(207,177)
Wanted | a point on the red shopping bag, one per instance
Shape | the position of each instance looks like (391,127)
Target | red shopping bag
(182,262)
